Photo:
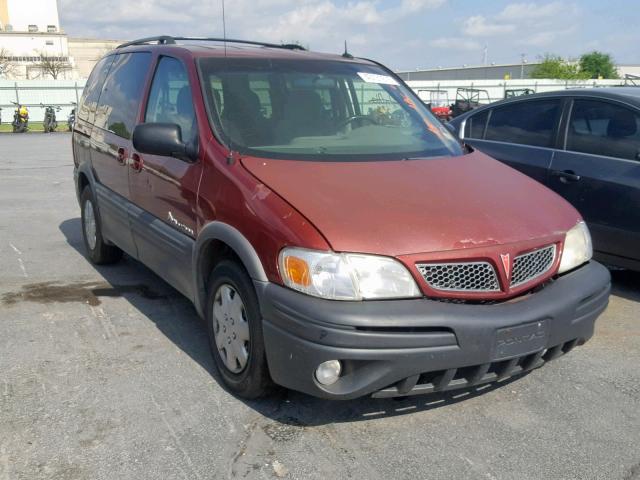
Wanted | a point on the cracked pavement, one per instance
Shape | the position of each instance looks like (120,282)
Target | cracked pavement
(105,373)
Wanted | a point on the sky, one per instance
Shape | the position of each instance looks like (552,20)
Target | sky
(403,34)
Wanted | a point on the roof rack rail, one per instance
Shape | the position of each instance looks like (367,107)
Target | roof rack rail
(162,40)
(168,40)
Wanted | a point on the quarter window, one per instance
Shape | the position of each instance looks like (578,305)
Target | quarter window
(474,127)
(120,99)
(92,89)
(526,123)
(170,99)
(602,128)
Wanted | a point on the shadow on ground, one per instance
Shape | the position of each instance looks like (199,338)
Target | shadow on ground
(626,284)
(150,295)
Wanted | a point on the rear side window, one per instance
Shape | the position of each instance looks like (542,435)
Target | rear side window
(474,126)
(602,128)
(121,94)
(525,123)
(92,89)
(170,99)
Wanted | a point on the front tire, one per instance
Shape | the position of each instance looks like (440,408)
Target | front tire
(234,323)
(98,251)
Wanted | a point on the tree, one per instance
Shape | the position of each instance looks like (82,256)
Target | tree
(597,64)
(553,66)
(6,64)
(53,66)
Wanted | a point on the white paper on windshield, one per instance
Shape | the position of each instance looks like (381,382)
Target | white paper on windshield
(375,78)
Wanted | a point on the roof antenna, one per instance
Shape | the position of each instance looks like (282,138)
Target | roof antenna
(224,30)
(346,54)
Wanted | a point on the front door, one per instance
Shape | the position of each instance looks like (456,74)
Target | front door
(164,189)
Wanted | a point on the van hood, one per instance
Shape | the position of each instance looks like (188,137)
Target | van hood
(420,205)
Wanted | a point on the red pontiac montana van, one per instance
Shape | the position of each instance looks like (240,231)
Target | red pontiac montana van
(336,238)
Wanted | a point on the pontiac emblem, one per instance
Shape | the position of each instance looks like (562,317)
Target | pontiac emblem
(506,263)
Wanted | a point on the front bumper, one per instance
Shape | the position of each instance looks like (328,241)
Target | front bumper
(403,347)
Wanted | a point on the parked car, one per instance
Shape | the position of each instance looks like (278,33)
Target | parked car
(330,251)
(583,144)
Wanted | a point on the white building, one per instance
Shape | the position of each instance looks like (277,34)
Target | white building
(30,30)
(31,16)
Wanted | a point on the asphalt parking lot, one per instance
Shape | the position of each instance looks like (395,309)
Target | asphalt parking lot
(105,373)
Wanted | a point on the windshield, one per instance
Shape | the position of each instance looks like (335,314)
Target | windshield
(319,110)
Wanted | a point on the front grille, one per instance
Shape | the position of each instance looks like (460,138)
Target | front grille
(474,376)
(465,277)
(529,266)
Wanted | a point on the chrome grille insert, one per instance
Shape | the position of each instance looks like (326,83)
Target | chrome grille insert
(531,265)
(461,277)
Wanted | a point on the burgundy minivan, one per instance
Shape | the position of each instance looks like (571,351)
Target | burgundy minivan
(336,238)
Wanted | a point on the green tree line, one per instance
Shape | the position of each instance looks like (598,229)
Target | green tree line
(590,65)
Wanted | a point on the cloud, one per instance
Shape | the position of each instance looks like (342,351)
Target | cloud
(455,43)
(540,39)
(310,22)
(518,12)
(372,28)
(321,23)
(401,33)
(413,6)
(479,26)
(543,20)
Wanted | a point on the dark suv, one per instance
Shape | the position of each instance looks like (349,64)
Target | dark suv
(336,238)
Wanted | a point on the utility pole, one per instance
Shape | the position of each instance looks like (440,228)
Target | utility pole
(522,62)
(485,55)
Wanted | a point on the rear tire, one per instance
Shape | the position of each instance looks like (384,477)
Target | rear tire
(234,323)
(98,251)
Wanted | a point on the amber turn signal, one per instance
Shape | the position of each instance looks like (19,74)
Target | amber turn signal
(297,270)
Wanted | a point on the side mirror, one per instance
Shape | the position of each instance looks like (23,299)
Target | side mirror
(163,139)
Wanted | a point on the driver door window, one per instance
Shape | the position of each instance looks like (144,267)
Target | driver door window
(170,98)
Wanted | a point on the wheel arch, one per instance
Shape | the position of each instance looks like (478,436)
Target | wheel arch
(218,240)
(84,178)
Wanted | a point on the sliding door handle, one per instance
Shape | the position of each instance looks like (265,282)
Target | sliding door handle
(566,176)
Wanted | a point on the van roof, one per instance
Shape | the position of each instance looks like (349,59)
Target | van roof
(201,47)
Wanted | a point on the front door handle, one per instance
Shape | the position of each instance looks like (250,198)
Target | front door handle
(136,162)
(566,176)
(122,156)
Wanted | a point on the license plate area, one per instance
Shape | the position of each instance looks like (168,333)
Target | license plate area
(521,340)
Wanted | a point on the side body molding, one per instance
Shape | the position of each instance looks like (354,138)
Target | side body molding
(241,246)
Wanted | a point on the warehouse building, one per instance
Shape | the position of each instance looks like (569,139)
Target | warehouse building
(476,72)
(507,71)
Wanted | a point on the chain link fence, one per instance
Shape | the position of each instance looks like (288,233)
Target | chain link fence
(36,93)
(66,93)
(444,91)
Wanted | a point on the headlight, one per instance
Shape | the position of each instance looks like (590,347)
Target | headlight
(345,276)
(577,248)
